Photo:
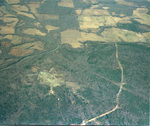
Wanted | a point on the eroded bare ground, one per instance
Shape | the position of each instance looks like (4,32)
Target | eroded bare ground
(74,62)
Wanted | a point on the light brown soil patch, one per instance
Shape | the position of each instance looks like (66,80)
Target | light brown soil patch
(33,31)
(118,35)
(140,15)
(66,3)
(9,20)
(75,37)
(26,14)
(50,28)
(7,30)
(147,35)
(13,1)
(8,37)
(16,39)
(20,51)
(19,8)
